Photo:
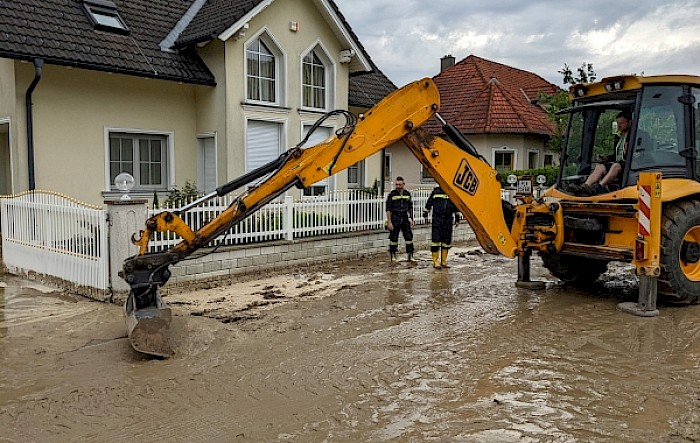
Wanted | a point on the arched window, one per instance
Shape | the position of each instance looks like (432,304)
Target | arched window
(261,72)
(314,81)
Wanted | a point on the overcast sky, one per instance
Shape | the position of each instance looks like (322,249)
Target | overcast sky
(406,38)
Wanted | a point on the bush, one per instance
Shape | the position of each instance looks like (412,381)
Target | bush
(187,194)
(551,172)
(373,190)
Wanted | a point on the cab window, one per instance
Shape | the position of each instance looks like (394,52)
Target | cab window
(696,122)
(659,136)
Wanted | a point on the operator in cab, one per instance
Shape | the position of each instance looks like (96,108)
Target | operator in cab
(611,167)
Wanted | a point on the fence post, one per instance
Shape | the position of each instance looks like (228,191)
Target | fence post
(126,217)
(289,217)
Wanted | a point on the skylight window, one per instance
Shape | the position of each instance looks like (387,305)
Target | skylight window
(103,15)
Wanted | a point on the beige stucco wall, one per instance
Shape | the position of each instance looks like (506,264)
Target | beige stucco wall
(275,21)
(212,115)
(7,88)
(72,108)
(8,119)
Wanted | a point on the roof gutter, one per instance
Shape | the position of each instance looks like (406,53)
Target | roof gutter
(38,63)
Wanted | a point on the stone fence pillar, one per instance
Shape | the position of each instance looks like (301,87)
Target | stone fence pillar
(125,217)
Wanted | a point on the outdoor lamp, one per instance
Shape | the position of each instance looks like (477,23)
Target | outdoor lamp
(124,182)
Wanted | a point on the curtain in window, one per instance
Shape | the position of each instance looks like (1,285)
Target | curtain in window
(261,73)
(314,81)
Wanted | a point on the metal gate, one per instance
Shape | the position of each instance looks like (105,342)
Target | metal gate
(51,234)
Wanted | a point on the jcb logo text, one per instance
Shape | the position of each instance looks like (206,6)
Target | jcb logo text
(465,178)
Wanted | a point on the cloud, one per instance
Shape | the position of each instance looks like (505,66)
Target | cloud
(407,38)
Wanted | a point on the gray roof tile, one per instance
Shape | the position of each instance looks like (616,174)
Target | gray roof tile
(215,17)
(366,89)
(59,32)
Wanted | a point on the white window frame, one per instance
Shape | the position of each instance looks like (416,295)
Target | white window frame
(424,176)
(200,160)
(504,149)
(7,121)
(170,158)
(329,183)
(280,68)
(361,175)
(387,155)
(283,134)
(537,153)
(103,16)
(544,161)
(330,73)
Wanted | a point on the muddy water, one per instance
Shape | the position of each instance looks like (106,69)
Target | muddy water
(393,354)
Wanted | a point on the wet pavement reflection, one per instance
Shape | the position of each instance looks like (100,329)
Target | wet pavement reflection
(407,354)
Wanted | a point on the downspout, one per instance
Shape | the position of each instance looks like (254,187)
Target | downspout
(38,63)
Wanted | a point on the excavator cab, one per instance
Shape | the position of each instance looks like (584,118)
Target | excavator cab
(661,137)
(650,214)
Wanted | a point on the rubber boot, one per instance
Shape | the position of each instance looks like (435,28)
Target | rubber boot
(392,256)
(410,258)
(436,259)
(443,261)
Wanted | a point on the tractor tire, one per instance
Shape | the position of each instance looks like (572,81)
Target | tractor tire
(679,281)
(574,270)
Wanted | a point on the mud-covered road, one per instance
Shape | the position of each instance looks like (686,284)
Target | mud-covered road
(357,352)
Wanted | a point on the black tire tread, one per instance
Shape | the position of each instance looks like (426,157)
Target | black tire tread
(673,286)
(578,271)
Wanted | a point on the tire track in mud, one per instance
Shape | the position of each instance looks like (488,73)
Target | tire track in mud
(509,366)
(410,354)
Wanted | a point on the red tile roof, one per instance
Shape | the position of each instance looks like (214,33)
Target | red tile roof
(480,96)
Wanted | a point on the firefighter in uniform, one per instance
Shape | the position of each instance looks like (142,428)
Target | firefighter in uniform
(444,212)
(399,218)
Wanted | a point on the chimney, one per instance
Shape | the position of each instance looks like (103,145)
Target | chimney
(446,62)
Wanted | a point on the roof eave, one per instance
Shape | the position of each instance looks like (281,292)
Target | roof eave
(359,62)
(108,69)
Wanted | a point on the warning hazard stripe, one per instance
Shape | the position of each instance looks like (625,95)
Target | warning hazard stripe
(644,210)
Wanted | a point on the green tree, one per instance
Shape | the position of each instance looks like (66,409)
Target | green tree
(555,103)
(585,74)
(552,104)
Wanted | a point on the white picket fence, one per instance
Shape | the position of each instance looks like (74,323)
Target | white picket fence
(286,219)
(48,233)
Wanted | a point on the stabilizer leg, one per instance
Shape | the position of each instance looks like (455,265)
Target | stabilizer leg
(646,305)
(524,272)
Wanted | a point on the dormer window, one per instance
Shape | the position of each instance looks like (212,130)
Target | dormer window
(103,16)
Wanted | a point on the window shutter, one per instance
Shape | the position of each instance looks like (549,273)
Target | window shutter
(263,143)
(319,135)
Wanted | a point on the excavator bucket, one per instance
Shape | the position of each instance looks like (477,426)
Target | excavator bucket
(148,327)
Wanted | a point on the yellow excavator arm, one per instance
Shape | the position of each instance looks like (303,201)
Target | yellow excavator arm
(468,179)
(389,121)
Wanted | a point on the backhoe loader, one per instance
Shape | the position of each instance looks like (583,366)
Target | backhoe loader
(649,217)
